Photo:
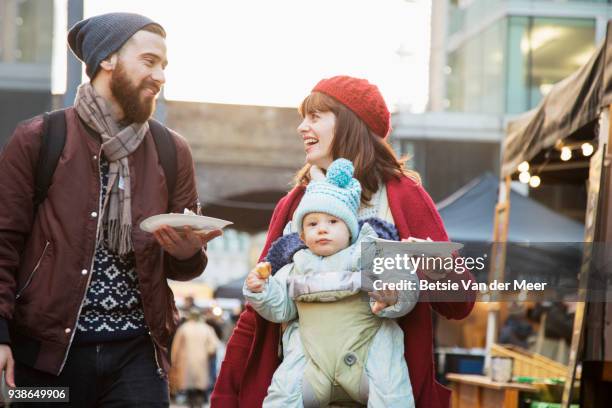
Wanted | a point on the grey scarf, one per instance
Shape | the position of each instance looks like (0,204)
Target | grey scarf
(117,145)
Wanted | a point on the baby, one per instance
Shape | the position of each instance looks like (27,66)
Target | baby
(337,348)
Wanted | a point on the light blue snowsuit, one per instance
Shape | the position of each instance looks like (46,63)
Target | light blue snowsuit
(313,280)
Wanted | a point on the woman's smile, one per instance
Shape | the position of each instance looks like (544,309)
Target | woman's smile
(317,131)
(309,141)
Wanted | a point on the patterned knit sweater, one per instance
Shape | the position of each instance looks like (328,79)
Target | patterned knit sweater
(112,309)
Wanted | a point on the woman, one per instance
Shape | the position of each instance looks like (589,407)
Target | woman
(347,117)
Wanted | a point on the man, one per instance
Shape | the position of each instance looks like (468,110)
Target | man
(84,301)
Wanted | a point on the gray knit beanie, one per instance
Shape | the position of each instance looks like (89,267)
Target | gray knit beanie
(95,38)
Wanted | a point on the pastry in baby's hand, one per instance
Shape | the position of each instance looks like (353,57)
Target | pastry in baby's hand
(264,269)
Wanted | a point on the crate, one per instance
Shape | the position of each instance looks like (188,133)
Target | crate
(527,364)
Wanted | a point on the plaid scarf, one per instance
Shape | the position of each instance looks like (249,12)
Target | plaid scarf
(117,145)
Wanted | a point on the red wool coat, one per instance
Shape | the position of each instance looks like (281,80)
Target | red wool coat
(252,351)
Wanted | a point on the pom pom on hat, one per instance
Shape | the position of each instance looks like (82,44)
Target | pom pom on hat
(340,173)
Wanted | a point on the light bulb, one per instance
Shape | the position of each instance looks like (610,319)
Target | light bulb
(524,166)
(566,153)
(534,181)
(587,149)
(524,177)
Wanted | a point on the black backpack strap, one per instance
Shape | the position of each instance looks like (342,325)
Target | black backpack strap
(166,150)
(53,141)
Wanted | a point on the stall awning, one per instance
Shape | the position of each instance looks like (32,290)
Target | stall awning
(468,216)
(570,105)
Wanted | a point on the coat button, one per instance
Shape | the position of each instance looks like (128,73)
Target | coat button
(350,359)
(94,214)
(67,330)
(84,272)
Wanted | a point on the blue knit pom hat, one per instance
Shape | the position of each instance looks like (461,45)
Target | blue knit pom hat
(339,194)
(95,38)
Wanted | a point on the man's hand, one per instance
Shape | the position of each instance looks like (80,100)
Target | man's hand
(185,244)
(7,364)
(383,299)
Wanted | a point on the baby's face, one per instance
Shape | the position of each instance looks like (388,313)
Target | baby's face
(325,234)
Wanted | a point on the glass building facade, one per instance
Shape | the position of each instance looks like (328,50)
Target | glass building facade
(26,31)
(26,49)
(512,61)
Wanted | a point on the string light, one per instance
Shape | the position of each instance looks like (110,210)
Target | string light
(524,177)
(566,153)
(534,181)
(523,167)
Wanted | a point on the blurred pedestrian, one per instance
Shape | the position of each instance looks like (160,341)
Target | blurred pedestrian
(194,345)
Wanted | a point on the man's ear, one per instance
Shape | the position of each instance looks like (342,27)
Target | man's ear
(109,63)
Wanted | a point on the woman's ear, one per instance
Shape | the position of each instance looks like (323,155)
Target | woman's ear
(316,173)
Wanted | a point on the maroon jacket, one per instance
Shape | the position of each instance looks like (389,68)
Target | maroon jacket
(46,259)
(252,351)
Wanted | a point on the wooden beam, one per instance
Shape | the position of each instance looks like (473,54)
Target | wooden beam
(498,260)
(594,230)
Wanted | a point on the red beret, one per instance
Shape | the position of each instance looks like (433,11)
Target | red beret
(361,97)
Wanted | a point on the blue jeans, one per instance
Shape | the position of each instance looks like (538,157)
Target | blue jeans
(112,374)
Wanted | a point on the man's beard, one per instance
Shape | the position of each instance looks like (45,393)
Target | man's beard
(136,109)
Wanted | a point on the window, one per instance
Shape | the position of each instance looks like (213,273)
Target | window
(464,14)
(512,64)
(541,52)
(475,74)
(26,28)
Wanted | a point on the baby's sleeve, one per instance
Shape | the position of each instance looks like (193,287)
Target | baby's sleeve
(273,303)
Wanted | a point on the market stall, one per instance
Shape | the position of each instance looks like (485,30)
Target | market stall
(566,139)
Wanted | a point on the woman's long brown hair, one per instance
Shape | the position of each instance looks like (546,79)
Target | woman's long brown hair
(373,158)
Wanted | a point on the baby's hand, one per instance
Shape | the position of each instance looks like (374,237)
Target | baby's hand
(383,299)
(257,277)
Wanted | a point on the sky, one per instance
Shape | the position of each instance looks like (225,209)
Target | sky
(272,52)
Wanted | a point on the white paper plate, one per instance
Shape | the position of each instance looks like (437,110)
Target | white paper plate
(197,222)
(428,248)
